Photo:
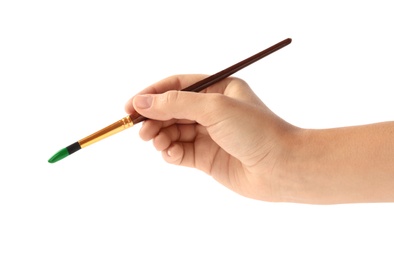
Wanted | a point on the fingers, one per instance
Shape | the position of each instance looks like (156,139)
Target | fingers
(219,111)
(176,142)
(180,154)
(150,129)
(175,154)
(174,133)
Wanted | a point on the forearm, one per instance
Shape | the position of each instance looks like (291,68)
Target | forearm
(343,165)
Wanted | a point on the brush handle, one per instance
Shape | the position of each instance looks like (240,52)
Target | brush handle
(137,118)
(209,81)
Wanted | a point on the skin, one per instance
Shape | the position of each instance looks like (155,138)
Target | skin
(229,133)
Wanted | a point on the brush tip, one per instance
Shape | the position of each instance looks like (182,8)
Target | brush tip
(63,153)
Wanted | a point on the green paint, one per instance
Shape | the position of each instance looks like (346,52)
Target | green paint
(59,155)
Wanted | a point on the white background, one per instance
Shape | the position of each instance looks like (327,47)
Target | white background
(68,67)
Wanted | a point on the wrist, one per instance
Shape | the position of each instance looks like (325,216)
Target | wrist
(296,171)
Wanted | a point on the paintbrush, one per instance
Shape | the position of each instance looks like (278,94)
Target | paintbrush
(135,118)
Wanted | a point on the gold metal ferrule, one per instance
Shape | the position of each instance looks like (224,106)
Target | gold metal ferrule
(114,128)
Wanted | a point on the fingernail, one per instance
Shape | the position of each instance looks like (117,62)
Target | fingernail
(143,101)
(169,152)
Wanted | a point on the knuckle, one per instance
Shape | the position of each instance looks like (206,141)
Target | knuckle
(214,109)
(170,97)
(218,101)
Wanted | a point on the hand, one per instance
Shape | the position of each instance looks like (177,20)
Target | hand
(226,131)
(229,133)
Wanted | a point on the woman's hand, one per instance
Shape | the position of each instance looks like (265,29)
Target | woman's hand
(229,133)
(226,132)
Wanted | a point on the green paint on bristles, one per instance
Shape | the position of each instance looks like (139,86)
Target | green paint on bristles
(63,153)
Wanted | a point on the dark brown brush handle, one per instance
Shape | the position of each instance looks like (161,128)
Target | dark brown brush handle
(209,81)
(137,118)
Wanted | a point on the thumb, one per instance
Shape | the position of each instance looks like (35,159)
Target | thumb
(204,108)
